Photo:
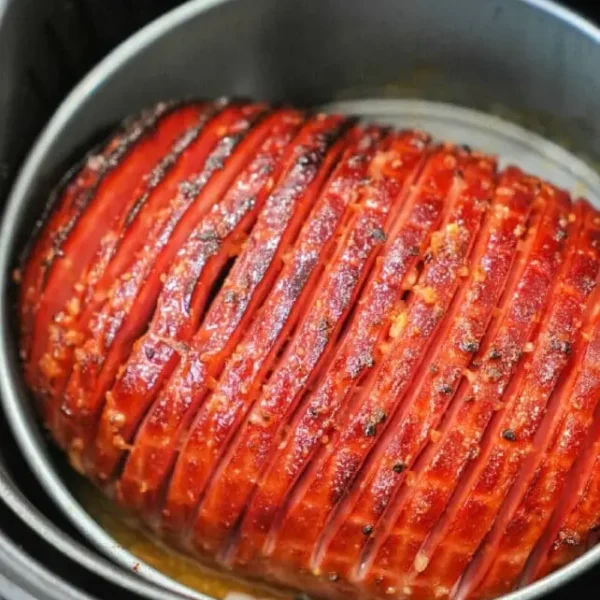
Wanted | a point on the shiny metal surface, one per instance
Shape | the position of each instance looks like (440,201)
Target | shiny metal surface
(528,59)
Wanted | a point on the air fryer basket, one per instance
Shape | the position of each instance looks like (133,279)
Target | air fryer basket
(529,59)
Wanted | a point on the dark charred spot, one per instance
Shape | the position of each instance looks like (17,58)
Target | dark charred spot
(370,430)
(309,159)
(378,234)
(509,435)
(470,346)
(324,325)
(367,529)
(189,292)
(466,148)
(495,354)
(249,203)
(444,388)
(326,138)
(399,467)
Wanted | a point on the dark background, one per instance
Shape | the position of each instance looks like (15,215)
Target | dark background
(138,13)
(591,8)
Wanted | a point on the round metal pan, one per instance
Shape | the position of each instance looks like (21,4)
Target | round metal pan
(443,66)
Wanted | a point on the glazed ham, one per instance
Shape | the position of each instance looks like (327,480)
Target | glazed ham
(344,359)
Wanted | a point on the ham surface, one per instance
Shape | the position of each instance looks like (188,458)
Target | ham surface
(344,359)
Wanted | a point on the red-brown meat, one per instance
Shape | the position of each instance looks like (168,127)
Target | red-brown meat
(133,392)
(315,506)
(333,356)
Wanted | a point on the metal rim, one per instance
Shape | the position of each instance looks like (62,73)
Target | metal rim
(20,572)
(53,535)
(13,395)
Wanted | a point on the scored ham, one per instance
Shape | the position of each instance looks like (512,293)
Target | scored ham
(340,358)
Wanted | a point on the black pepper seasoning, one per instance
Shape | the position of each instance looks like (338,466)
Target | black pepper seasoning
(444,388)
(399,467)
(368,529)
(469,346)
(323,325)
(370,430)
(509,435)
(378,234)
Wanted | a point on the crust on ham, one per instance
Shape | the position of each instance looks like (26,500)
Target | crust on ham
(344,359)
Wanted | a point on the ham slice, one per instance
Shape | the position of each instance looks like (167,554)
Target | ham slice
(93,209)
(375,205)
(412,519)
(459,339)
(131,299)
(334,356)
(315,420)
(558,439)
(332,476)
(310,163)
(133,392)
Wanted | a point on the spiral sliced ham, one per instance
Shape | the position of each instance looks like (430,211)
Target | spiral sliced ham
(347,360)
